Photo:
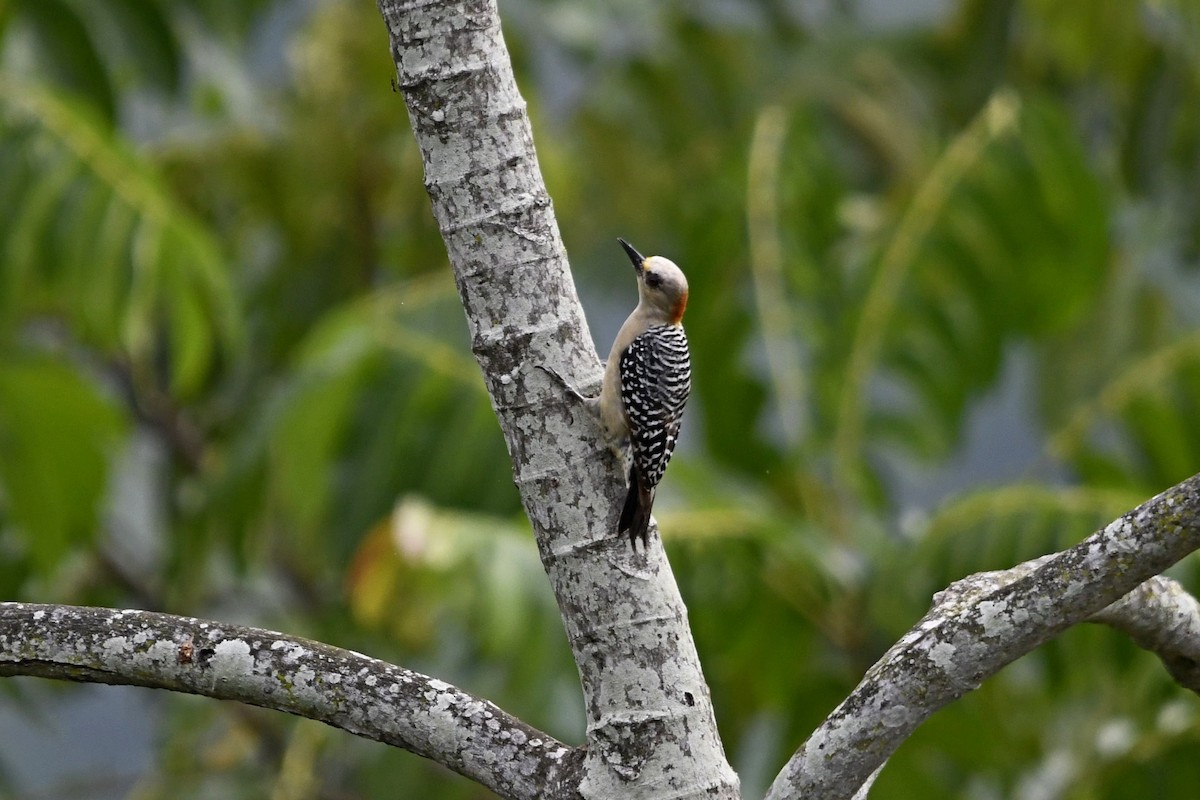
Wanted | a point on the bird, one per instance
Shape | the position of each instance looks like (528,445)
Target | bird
(646,384)
(647,380)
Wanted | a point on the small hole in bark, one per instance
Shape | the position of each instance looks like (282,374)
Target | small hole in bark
(687,698)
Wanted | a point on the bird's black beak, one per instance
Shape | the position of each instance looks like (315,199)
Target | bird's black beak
(637,258)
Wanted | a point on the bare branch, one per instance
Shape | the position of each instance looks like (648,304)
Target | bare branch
(365,696)
(1160,616)
(651,727)
(978,626)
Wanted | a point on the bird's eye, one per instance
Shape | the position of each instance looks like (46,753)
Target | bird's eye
(653,280)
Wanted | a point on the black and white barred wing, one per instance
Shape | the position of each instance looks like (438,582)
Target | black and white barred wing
(656,378)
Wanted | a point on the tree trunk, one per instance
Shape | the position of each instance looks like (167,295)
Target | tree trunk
(651,729)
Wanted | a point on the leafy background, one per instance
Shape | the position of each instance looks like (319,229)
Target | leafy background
(944,320)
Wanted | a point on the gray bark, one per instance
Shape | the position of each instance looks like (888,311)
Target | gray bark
(365,696)
(980,625)
(651,731)
(1160,616)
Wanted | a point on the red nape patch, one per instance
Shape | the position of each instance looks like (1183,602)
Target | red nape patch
(677,311)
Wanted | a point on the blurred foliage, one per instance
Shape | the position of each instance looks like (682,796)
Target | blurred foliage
(944,270)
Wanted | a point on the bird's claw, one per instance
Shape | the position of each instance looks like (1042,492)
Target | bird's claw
(552,372)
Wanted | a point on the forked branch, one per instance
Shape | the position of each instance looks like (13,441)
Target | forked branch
(982,623)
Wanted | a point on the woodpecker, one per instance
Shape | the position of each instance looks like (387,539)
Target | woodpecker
(646,384)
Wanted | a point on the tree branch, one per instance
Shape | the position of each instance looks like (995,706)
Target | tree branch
(651,727)
(1160,616)
(981,624)
(365,696)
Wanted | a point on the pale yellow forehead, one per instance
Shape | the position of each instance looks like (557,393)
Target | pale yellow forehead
(666,268)
(673,280)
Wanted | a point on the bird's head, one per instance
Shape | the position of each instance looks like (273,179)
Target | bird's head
(661,284)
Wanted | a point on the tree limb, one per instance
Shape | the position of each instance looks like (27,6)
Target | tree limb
(365,696)
(1160,616)
(980,625)
(651,727)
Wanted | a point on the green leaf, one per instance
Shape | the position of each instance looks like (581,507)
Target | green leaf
(92,235)
(1006,238)
(67,52)
(147,39)
(230,19)
(1141,428)
(383,401)
(57,437)
(308,435)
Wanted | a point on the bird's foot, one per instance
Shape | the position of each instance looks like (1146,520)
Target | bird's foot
(578,395)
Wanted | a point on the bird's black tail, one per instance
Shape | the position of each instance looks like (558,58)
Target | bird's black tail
(635,515)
